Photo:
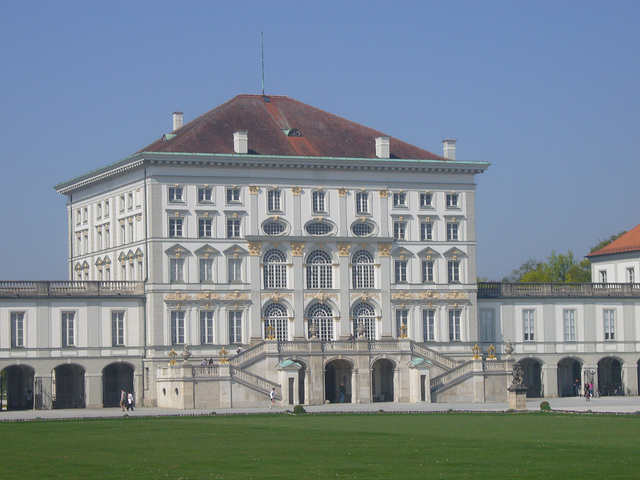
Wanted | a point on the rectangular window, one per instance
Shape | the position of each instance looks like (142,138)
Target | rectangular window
(107,237)
(402,323)
(206,270)
(427,271)
(176,270)
(319,204)
(79,216)
(235,270)
(454,325)
(117,329)
(99,210)
(631,275)
(528,326)
(17,329)
(130,230)
(233,227)
(177,327)
(206,327)
(452,200)
(204,227)
(273,200)
(487,325)
(429,325)
(235,327)
(85,215)
(205,195)
(426,200)
(426,231)
(399,199)
(123,232)
(68,329)
(130,201)
(453,271)
(569,317)
(399,230)
(401,271)
(603,276)
(121,203)
(233,195)
(452,231)
(609,325)
(106,209)
(362,203)
(175,227)
(176,195)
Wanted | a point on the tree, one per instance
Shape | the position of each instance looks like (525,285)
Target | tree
(559,268)
(604,243)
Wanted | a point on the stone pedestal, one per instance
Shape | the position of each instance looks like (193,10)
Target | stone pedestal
(517,398)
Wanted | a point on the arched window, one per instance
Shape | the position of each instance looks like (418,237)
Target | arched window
(319,270)
(275,315)
(275,269)
(364,314)
(322,316)
(363,270)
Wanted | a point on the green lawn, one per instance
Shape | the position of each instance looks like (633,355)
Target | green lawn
(364,446)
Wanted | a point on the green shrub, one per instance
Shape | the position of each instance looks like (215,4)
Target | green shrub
(299,410)
(545,407)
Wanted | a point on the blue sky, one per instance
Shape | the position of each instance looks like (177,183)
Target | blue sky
(546,91)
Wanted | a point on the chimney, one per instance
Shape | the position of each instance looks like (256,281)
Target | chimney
(382,147)
(241,142)
(449,147)
(177,120)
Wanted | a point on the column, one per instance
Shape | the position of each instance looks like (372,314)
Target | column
(630,378)
(297,281)
(343,282)
(550,380)
(254,323)
(384,280)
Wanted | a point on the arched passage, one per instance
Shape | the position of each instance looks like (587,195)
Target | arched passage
(337,373)
(610,376)
(532,376)
(116,377)
(16,387)
(569,370)
(382,381)
(68,386)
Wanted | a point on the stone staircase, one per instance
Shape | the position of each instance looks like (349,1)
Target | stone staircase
(255,382)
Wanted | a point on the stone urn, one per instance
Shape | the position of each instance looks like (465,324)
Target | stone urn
(186,354)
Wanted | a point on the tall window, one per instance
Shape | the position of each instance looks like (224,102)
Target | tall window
(235,326)
(363,271)
(234,270)
(68,329)
(452,200)
(401,271)
(364,314)
(175,227)
(427,271)
(176,270)
(362,203)
(631,275)
(453,271)
(321,315)
(452,231)
(399,199)
(205,195)
(603,276)
(177,327)
(17,329)
(117,329)
(426,200)
(402,323)
(206,327)
(275,269)
(454,325)
(204,227)
(487,325)
(399,230)
(426,231)
(233,227)
(275,315)
(319,203)
(609,325)
(319,270)
(176,194)
(233,195)
(528,325)
(569,317)
(429,325)
(206,270)
(273,200)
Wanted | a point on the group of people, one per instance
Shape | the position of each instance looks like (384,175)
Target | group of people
(126,400)
(205,362)
(588,389)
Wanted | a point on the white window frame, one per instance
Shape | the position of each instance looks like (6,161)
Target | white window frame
(429,325)
(322,315)
(274,200)
(235,326)
(178,327)
(235,266)
(175,194)
(402,318)
(319,270)
(117,329)
(234,227)
(17,329)
(426,200)
(453,200)
(453,231)
(455,325)
(205,227)
(206,269)
(453,271)
(569,324)
(401,271)
(362,203)
(363,273)
(365,313)
(400,200)
(206,327)
(528,325)
(176,270)
(275,315)
(426,231)
(609,318)
(631,275)
(176,227)
(319,201)
(205,195)
(274,269)
(68,330)
(428,271)
(400,229)
(234,195)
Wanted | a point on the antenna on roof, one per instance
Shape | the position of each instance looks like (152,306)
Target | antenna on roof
(262,38)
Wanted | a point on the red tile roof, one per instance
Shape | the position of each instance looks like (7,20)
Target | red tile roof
(322,134)
(629,242)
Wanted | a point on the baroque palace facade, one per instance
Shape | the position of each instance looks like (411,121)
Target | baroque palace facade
(300,252)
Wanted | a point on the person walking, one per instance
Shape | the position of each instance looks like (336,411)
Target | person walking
(130,402)
(272,397)
(341,390)
(587,393)
(123,399)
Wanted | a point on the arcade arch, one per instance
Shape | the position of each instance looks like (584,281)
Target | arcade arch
(336,373)
(115,378)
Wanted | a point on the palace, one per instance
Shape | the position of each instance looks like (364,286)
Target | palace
(269,244)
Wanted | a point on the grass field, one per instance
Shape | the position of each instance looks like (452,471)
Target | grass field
(363,446)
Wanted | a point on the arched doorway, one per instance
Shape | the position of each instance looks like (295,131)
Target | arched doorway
(382,381)
(16,387)
(569,370)
(116,377)
(610,377)
(532,377)
(337,373)
(68,386)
